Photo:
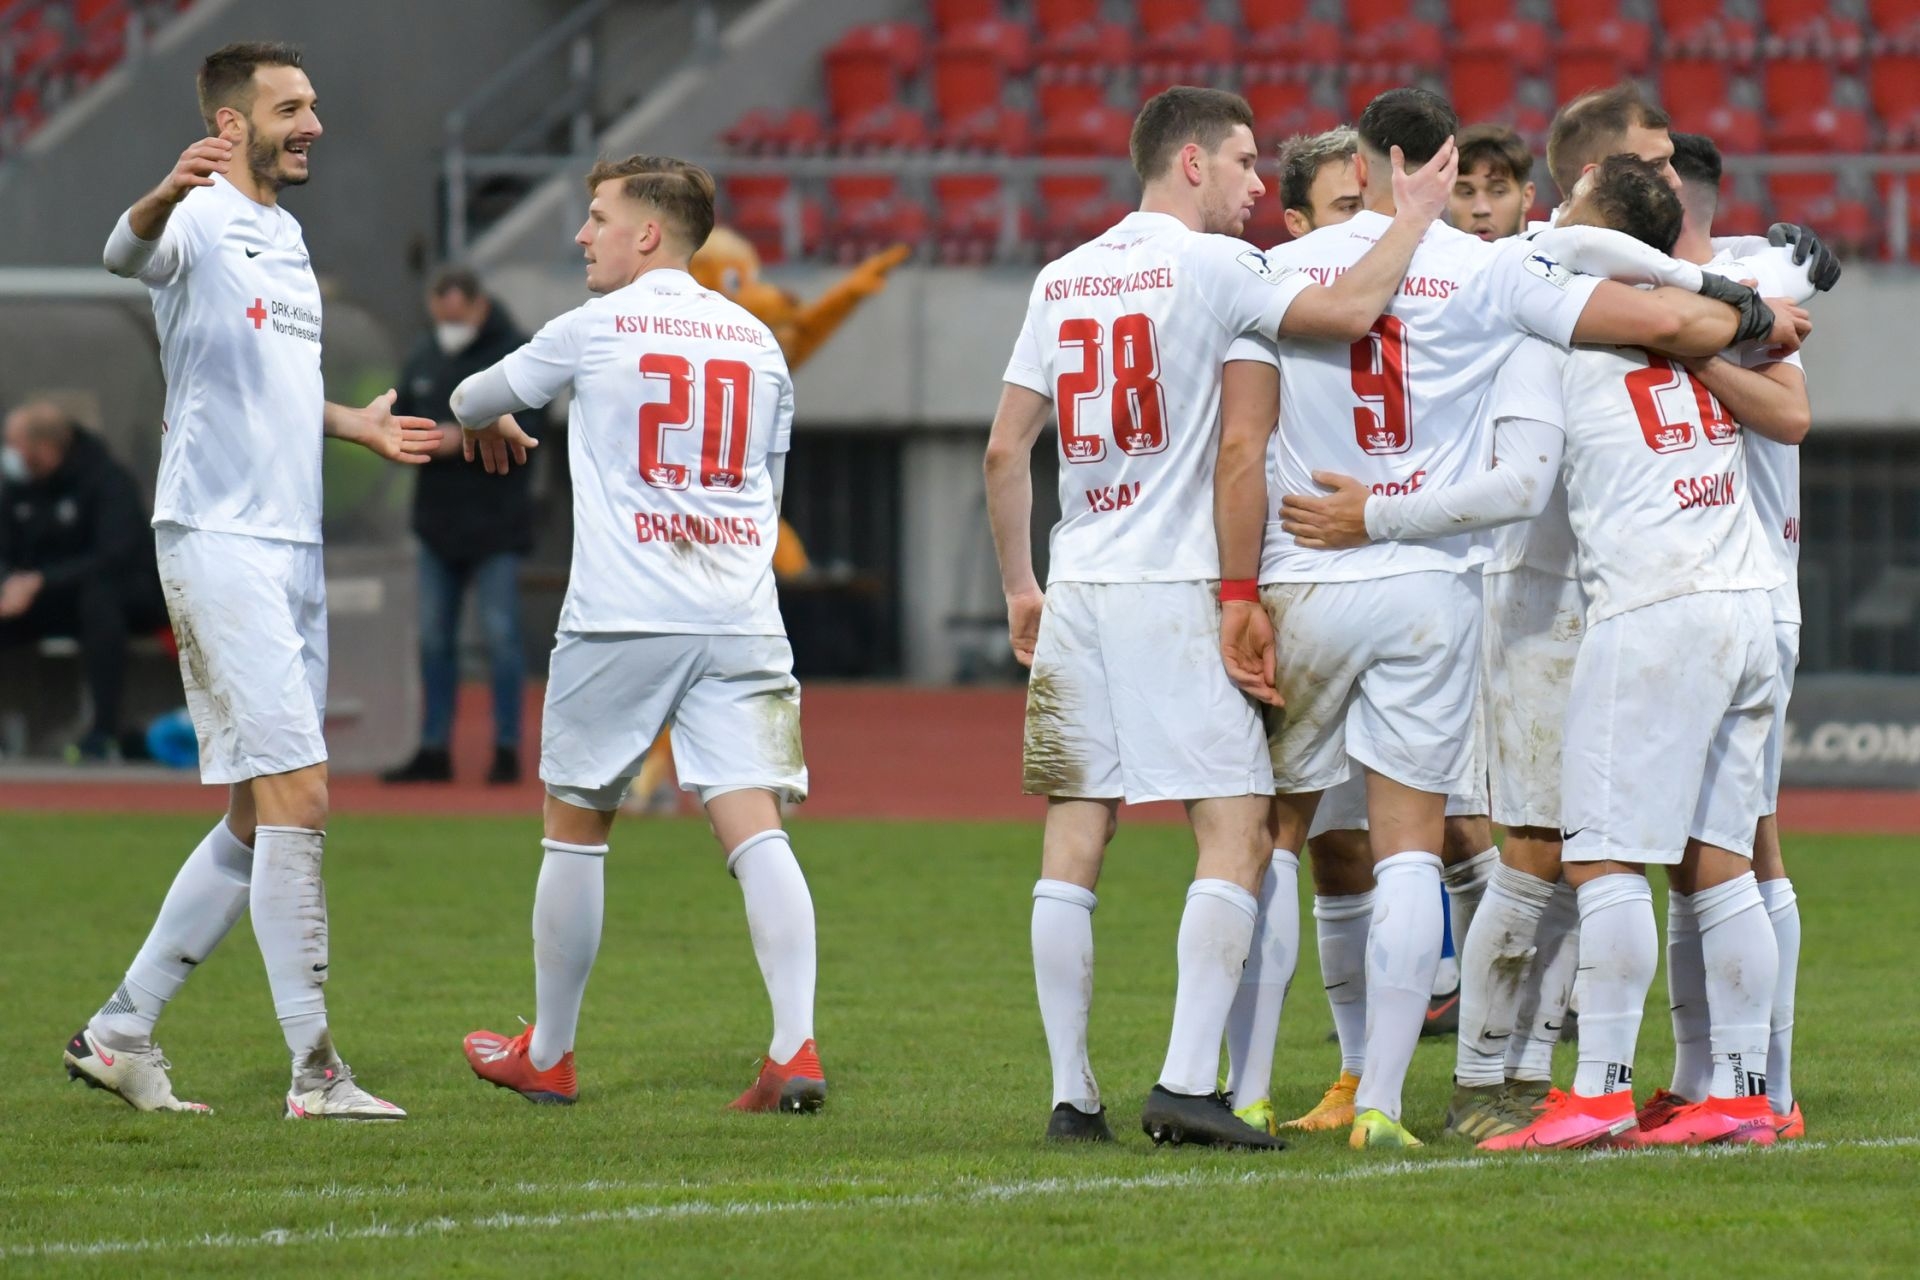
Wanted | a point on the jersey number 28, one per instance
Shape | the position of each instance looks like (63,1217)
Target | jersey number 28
(726,395)
(1139,408)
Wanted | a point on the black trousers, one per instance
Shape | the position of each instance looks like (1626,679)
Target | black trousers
(101,613)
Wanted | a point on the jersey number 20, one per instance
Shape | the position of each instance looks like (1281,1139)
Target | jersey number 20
(726,394)
(1644,388)
(1139,408)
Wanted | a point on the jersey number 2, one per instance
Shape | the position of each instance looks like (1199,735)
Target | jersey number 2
(726,394)
(1139,408)
(1381,422)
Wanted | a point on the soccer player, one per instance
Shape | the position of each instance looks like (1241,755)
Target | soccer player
(1125,337)
(1602,123)
(237,520)
(670,615)
(1767,396)
(1317,184)
(1377,676)
(1495,187)
(1623,192)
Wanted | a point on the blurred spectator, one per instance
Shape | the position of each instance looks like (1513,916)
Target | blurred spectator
(474,528)
(76,556)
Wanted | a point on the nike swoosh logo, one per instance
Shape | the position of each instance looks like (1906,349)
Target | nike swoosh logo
(1488,1035)
(319,968)
(1568,835)
(1555,1026)
(297,1109)
(1336,986)
(253,253)
(1441,1011)
(106,1059)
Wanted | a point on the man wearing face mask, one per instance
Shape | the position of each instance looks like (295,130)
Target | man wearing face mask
(473,529)
(75,557)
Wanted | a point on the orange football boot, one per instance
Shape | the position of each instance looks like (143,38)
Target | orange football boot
(798,1084)
(1660,1108)
(1716,1121)
(503,1060)
(1791,1125)
(1570,1120)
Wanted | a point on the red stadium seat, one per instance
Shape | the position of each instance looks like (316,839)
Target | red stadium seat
(969,206)
(1179,33)
(1468,14)
(1267,226)
(1896,25)
(1703,29)
(1284,32)
(1074,31)
(1575,74)
(1815,200)
(1158,17)
(1363,87)
(951,15)
(1884,186)
(866,211)
(1629,43)
(1482,86)
(1096,131)
(888,128)
(1523,46)
(757,208)
(864,69)
(1894,86)
(763,132)
(1824,128)
(1074,209)
(1736,217)
(1058,95)
(1405,42)
(971,66)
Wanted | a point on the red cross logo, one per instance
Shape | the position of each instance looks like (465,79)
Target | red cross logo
(257,313)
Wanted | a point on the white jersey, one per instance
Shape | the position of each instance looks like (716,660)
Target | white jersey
(674,523)
(1773,468)
(1406,406)
(1544,543)
(1126,335)
(238,312)
(1654,475)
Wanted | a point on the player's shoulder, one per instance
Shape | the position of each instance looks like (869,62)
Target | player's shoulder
(210,209)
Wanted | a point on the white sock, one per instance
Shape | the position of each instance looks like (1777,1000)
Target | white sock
(1687,1001)
(780,918)
(569,903)
(1783,908)
(1253,1023)
(1216,933)
(1466,884)
(1548,987)
(1619,950)
(1742,962)
(1063,975)
(1341,923)
(1403,949)
(208,894)
(1494,959)
(289,901)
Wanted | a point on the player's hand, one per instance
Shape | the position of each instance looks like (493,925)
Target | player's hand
(499,444)
(1823,269)
(1023,623)
(1791,325)
(1247,650)
(396,437)
(196,167)
(17,592)
(1424,193)
(1328,522)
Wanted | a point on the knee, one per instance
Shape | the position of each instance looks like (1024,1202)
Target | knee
(297,799)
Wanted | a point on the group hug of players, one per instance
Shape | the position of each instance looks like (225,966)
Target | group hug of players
(1394,531)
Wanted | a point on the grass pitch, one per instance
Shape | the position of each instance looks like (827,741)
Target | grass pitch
(927,1159)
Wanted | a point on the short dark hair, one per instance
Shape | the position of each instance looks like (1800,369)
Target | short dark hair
(1630,195)
(455,277)
(226,76)
(1304,155)
(1591,127)
(1697,161)
(681,191)
(1418,121)
(1504,152)
(1174,117)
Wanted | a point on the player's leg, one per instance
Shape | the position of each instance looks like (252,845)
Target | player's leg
(1253,1021)
(1342,863)
(1467,859)
(1783,908)
(1072,851)
(1738,951)
(1070,753)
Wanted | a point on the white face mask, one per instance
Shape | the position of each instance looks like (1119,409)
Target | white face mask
(13,466)
(452,339)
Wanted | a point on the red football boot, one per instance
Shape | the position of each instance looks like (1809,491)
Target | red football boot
(798,1084)
(503,1060)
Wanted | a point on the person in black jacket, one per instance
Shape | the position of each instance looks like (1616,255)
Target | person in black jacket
(474,528)
(76,557)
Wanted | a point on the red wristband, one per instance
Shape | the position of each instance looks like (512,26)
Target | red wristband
(1246,589)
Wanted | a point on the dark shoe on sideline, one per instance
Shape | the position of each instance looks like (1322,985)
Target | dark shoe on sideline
(1070,1124)
(506,767)
(429,764)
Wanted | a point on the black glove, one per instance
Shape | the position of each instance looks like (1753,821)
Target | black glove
(1756,317)
(1825,272)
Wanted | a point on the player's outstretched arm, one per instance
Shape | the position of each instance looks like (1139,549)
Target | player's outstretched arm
(1346,309)
(136,237)
(1527,459)
(1771,401)
(1684,324)
(395,437)
(484,405)
(1017,423)
(1249,411)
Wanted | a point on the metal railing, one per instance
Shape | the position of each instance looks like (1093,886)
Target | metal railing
(534,139)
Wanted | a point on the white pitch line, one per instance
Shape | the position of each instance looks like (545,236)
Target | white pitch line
(987,1193)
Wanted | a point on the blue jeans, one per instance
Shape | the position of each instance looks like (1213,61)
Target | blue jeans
(443,587)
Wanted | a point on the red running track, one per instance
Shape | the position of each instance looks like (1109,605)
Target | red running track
(875,751)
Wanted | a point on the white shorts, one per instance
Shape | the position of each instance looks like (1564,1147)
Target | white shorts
(732,701)
(1343,806)
(250,617)
(1534,623)
(1786,641)
(1666,728)
(1128,698)
(1387,672)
